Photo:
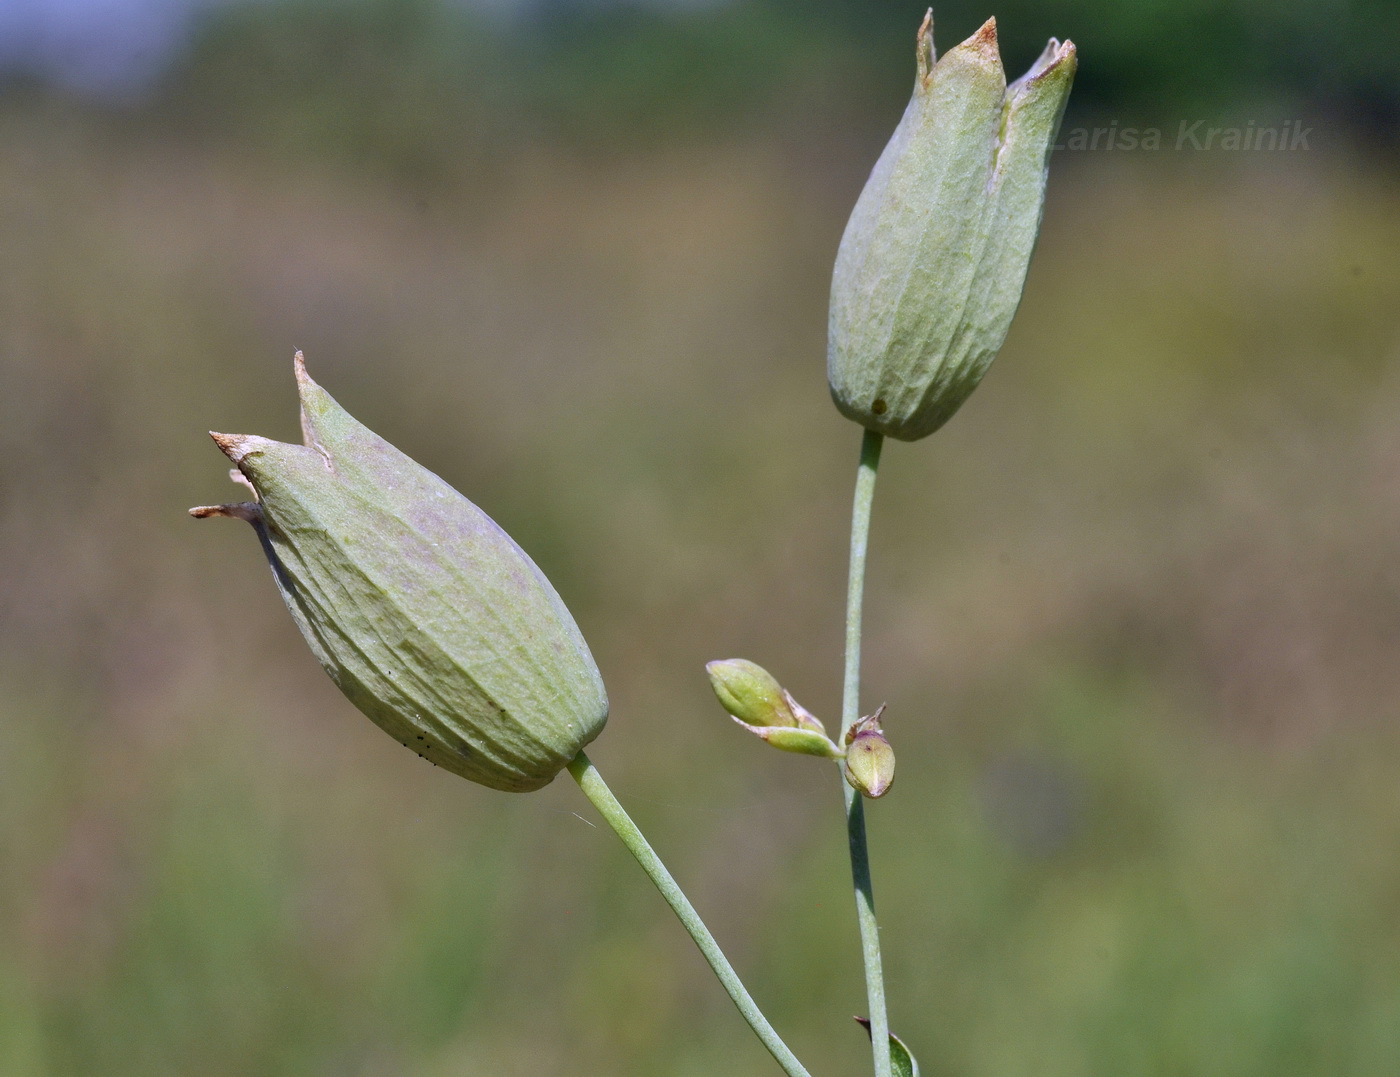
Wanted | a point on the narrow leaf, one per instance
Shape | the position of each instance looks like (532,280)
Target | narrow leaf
(901,1060)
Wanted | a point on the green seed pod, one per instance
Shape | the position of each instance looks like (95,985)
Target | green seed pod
(869,757)
(429,618)
(931,266)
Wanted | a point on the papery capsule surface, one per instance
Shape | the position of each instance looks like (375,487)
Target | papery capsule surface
(424,612)
(933,259)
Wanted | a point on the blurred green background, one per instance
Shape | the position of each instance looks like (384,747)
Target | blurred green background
(1135,610)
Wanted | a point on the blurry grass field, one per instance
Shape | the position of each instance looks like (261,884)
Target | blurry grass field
(1135,614)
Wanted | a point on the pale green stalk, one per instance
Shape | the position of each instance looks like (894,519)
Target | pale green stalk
(597,791)
(850,712)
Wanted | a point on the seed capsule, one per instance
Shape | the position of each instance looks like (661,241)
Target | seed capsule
(930,269)
(426,614)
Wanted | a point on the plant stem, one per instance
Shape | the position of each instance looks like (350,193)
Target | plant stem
(597,791)
(850,711)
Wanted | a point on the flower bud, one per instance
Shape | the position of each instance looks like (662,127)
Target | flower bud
(930,268)
(749,692)
(869,757)
(422,610)
(755,700)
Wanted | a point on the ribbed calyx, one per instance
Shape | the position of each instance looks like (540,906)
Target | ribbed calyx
(931,266)
(426,614)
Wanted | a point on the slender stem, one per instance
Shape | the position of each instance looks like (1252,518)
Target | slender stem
(597,791)
(850,712)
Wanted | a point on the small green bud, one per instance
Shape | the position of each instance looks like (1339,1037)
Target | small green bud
(750,693)
(869,757)
(422,610)
(931,266)
(755,700)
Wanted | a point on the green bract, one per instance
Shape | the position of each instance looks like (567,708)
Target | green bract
(931,266)
(423,611)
